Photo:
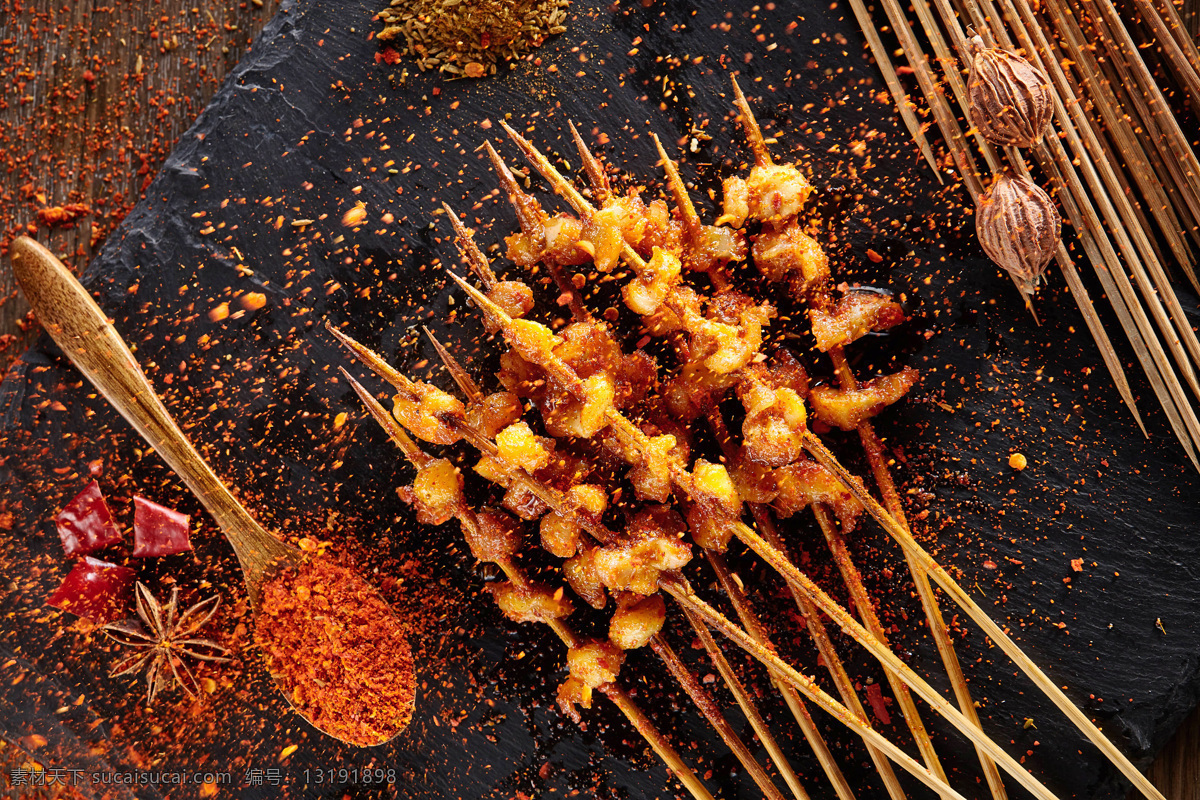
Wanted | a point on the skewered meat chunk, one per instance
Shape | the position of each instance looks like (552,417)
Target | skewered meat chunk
(775,419)
(695,390)
(645,293)
(571,693)
(589,499)
(518,498)
(715,506)
(428,413)
(651,546)
(560,535)
(847,408)
(603,233)
(520,376)
(495,536)
(591,351)
(515,297)
(494,413)
(436,492)
(754,482)
(736,202)
(636,621)
(632,217)
(562,234)
(789,254)
(853,317)
(651,475)
(729,337)
(532,340)
(533,602)
(661,230)
(804,482)
(566,415)
(709,246)
(595,663)
(580,573)
(771,193)
(519,446)
(524,503)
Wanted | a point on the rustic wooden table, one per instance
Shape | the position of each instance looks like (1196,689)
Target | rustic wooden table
(91,101)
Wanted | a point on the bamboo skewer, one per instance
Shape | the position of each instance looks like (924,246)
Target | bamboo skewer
(618,696)
(753,626)
(742,697)
(829,655)
(903,105)
(479,264)
(1092,161)
(567,379)
(805,685)
(712,712)
(839,615)
(883,479)
(776,560)
(749,620)
(1184,59)
(769,554)
(1093,235)
(1183,417)
(681,478)
(955,140)
(687,211)
(715,619)
(1118,225)
(1142,166)
(532,213)
(833,663)
(981,618)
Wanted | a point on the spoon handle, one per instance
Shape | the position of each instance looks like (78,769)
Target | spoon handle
(77,324)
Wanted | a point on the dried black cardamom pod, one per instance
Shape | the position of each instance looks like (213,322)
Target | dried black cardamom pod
(1010,101)
(1019,227)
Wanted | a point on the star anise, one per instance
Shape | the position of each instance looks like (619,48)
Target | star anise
(163,640)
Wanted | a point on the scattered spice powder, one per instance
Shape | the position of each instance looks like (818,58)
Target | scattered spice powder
(338,651)
(466,38)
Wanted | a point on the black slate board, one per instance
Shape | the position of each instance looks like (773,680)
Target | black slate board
(309,125)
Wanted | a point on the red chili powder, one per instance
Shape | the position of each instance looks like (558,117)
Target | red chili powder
(338,651)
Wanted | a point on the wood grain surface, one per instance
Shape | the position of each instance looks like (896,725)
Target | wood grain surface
(92,100)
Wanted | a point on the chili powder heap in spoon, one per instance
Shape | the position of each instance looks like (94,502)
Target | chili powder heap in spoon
(338,651)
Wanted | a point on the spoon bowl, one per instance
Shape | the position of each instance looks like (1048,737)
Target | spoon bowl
(77,324)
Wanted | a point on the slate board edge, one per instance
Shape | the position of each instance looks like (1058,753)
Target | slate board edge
(117,257)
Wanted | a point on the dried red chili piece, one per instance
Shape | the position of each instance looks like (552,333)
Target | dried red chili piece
(87,524)
(158,530)
(95,589)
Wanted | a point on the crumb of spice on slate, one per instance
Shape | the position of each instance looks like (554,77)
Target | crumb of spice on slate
(338,651)
(467,38)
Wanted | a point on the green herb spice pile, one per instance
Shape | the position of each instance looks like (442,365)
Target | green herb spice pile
(469,37)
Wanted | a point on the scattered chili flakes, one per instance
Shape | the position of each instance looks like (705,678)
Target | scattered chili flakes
(252,301)
(878,703)
(62,215)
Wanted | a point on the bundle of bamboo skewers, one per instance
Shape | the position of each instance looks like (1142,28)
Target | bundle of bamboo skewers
(1122,169)
(515,459)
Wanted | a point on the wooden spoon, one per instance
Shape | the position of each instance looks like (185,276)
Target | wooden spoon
(77,324)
